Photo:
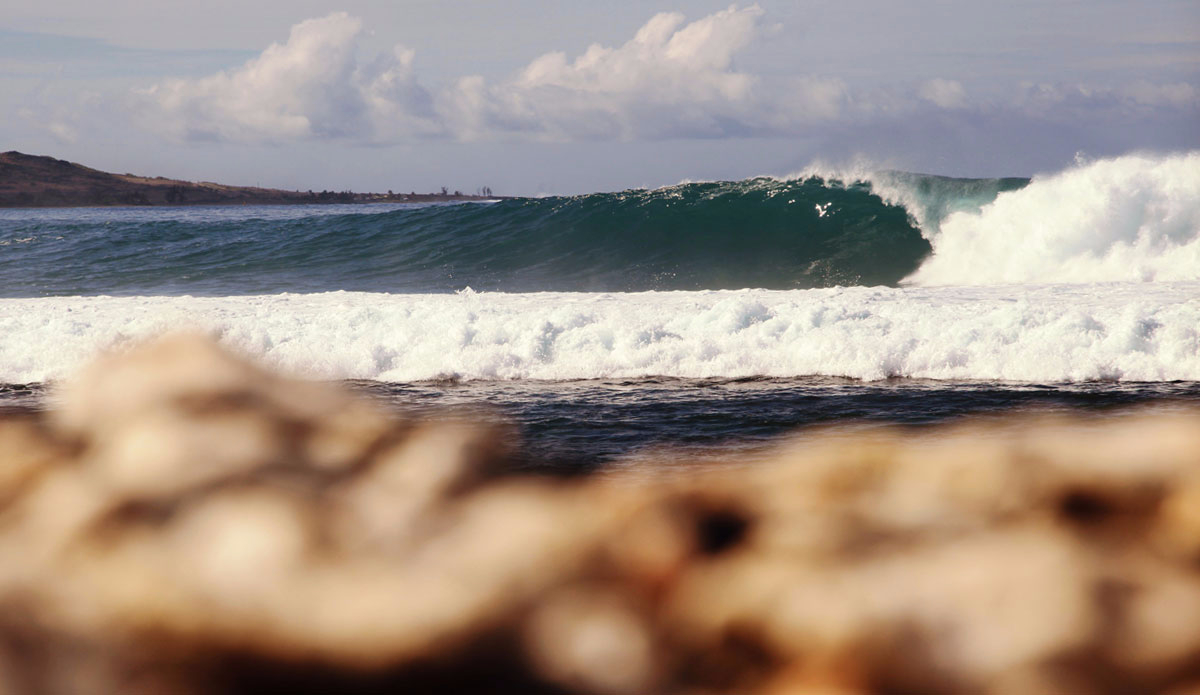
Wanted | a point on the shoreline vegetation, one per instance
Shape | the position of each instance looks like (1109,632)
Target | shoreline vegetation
(32,181)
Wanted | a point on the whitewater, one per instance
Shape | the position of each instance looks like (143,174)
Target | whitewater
(1133,218)
(1092,273)
(1049,333)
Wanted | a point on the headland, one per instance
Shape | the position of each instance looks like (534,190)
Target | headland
(38,181)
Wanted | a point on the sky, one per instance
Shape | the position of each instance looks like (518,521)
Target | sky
(534,97)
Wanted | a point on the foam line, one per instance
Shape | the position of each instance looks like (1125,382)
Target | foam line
(1121,331)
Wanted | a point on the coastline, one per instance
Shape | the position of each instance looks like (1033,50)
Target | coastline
(32,181)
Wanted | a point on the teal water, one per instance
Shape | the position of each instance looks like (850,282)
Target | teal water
(353,292)
(764,233)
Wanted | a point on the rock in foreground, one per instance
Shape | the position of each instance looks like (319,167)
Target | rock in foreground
(186,522)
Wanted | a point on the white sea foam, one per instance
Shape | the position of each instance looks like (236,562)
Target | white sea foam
(1126,331)
(1132,218)
(1129,218)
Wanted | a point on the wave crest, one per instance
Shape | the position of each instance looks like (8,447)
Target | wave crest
(1131,218)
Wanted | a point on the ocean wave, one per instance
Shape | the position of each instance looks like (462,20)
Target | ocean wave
(1132,218)
(1119,331)
(763,233)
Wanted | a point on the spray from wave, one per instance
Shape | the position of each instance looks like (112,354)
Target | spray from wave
(1132,218)
(1125,219)
(1104,226)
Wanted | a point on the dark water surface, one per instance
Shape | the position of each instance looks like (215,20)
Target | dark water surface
(581,425)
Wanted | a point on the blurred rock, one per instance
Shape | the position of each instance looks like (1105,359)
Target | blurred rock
(186,522)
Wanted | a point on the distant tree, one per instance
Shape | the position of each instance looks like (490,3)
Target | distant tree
(444,191)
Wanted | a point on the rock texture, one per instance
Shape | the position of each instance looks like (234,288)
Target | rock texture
(185,522)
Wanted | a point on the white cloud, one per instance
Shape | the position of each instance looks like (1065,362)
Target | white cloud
(672,79)
(1179,94)
(1106,103)
(312,86)
(947,94)
(689,62)
(58,128)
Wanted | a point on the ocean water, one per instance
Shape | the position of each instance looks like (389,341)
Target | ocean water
(710,316)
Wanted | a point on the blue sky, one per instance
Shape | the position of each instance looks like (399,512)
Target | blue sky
(553,97)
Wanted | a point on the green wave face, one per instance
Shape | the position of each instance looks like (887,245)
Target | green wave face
(756,233)
(761,233)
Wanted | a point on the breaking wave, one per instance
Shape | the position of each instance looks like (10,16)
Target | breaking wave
(1056,333)
(1133,218)
(1130,218)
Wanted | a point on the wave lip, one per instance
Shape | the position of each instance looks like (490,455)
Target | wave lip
(1053,333)
(1131,218)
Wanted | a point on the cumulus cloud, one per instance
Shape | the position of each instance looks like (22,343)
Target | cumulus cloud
(947,94)
(69,116)
(669,79)
(312,86)
(672,79)
(1105,103)
(60,129)
(1178,94)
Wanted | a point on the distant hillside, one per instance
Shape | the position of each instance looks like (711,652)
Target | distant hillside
(35,181)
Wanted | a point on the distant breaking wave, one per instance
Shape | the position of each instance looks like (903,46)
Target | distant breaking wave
(792,234)
(590,286)
(1131,218)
